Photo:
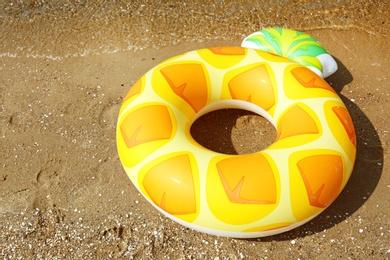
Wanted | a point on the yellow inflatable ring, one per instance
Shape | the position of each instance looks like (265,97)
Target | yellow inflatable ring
(251,195)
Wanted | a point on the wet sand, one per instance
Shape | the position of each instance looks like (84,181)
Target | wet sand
(65,69)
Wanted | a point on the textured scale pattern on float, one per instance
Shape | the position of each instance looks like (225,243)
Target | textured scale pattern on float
(252,195)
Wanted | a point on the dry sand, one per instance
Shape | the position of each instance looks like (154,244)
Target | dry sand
(64,70)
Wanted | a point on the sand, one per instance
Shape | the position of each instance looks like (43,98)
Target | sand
(65,68)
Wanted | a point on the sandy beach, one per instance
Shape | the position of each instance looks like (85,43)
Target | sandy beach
(65,68)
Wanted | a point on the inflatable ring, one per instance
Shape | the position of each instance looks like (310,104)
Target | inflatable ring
(251,195)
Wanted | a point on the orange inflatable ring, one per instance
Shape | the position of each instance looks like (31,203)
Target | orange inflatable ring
(252,195)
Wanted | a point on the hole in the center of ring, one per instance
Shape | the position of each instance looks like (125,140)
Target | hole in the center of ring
(233,131)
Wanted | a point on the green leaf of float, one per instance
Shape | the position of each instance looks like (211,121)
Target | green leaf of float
(309,61)
(303,38)
(301,48)
(304,49)
(275,41)
(263,44)
(307,55)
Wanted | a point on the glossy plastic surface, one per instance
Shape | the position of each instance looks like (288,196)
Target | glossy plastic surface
(252,195)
